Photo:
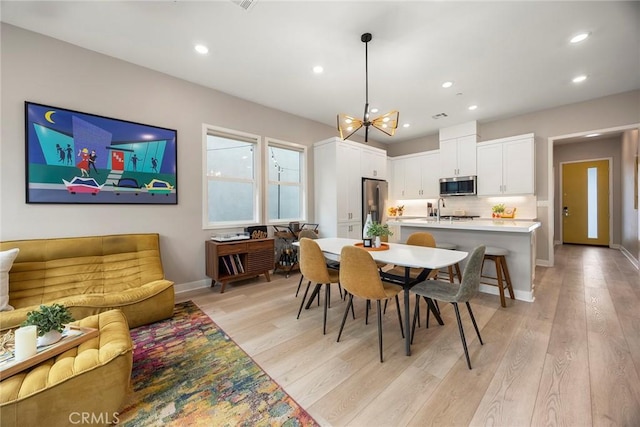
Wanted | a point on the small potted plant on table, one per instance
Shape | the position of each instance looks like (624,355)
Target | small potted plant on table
(377,230)
(50,320)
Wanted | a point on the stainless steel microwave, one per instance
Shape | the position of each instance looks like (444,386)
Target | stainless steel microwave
(458,186)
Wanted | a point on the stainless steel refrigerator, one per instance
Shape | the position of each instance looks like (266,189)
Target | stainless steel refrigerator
(374,198)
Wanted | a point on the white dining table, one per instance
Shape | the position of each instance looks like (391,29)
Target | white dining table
(399,254)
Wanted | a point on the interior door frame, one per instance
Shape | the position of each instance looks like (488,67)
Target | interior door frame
(610,201)
(549,204)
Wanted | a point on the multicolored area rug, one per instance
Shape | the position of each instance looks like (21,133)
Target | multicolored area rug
(188,372)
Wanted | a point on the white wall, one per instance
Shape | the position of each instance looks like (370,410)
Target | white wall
(48,71)
(630,209)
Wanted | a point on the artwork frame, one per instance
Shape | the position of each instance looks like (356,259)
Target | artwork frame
(72,157)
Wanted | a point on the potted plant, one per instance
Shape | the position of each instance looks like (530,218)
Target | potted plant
(50,320)
(376,230)
(497,210)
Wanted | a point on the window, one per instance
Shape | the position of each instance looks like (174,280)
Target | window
(231,181)
(238,193)
(285,171)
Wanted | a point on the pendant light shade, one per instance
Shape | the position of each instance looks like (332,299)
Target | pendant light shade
(387,123)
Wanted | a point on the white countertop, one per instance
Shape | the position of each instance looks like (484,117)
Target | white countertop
(498,225)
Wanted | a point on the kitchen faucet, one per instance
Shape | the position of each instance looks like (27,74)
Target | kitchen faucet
(438,210)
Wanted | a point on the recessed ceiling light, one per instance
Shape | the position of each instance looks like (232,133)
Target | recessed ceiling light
(447,84)
(579,37)
(406,125)
(318,69)
(591,135)
(473,107)
(579,79)
(201,49)
(374,110)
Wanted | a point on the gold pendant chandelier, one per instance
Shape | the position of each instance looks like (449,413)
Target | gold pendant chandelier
(387,123)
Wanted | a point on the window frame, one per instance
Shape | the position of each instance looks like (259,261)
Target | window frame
(257,176)
(303,185)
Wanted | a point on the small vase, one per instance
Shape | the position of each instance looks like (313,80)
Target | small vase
(49,338)
(365,229)
(376,242)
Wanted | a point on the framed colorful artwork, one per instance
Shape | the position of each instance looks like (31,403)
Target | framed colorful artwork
(74,157)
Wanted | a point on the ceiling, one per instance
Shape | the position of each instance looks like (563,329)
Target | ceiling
(508,58)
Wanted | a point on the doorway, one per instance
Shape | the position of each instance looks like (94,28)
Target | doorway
(585,193)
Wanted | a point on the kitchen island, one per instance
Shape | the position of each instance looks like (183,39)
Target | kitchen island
(516,236)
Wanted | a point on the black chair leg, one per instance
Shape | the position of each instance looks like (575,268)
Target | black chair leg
(304,298)
(327,295)
(399,315)
(353,313)
(416,317)
(344,318)
(366,313)
(475,325)
(340,289)
(299,284)
(464,341)
(380,328)
(426,320)
(385,307)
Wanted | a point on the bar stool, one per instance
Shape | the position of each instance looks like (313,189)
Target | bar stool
(453,247)
(498,256)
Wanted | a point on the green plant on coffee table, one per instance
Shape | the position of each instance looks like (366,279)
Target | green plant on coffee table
(377,229)
(49,318)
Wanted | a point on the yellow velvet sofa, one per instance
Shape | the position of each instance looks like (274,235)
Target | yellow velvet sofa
(89,275)
(86,385)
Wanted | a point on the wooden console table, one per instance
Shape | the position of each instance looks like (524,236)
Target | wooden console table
(235,260)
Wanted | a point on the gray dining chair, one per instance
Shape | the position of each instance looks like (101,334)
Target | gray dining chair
(448,292)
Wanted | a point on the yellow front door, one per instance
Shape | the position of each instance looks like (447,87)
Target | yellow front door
(585,202)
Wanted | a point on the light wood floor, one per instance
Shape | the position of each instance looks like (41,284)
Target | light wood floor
(571,358)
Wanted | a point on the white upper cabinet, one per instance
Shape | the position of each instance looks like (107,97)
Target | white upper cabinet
(416,176)
(373,163)
(458,150)
(506,166)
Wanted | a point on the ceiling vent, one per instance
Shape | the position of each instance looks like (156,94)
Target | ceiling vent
(440,116)
(245,4)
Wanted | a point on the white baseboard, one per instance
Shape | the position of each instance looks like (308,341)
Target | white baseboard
(543,263)
(557,242)
(190,286)
(519,295)
(630,257)
(615,246)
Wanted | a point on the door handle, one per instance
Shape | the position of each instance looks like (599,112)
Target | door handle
(565,211)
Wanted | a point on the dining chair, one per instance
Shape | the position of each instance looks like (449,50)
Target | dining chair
(360,277)
(314,268)
(310,234)
(456,293)
(419,238)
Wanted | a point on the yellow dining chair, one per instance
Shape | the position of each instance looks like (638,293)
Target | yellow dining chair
(360,277)
(456,293)
(420,238)
(310,234)
(313,267)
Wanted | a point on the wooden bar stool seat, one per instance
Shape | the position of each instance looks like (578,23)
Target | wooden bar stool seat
(498,256)
(453,247)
